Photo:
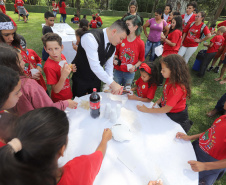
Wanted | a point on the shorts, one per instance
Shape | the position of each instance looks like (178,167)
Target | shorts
(21,10)
(54,13)
(221,53)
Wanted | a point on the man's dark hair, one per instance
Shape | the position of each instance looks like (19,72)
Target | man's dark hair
(48,14)
(120,25)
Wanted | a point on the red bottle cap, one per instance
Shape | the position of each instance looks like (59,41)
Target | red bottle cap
(94,90)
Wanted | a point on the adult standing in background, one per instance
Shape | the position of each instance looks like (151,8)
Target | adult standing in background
(21,9)
(157,26)
(192,36)
(62,10)
(167,11)
(95,51)
(132,10)
(189,16)
(130,51)
(2,6)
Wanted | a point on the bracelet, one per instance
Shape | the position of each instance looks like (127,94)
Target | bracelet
(40,65)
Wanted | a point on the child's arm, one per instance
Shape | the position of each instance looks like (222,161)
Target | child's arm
(107,135)
(164,109)
(185,137)
(208,45)
(205,166)
(134,97)
(64,74)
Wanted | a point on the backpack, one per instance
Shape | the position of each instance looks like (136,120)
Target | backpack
(202,35)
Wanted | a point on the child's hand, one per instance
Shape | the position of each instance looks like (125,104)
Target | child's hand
(142,108)
(39,68)
(66,70)
(107,135)
(132,97)
(36,76)
(197,166)
(183,136)
(132,69)
(158,182)
(115,62)
(163,36)
(72,104)
(74,68)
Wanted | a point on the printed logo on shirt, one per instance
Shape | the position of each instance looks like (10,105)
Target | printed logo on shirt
(32,57)
(127,56)
(192,34)
(143,86)
(123,44)
(219,43)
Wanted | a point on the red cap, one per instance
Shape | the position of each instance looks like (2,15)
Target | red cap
(94,90)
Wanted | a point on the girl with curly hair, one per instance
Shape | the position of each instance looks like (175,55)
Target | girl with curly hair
(175,91)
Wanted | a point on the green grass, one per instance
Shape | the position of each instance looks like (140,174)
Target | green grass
(205,91)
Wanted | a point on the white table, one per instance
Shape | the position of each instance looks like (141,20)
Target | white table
(67,34)
(152,153)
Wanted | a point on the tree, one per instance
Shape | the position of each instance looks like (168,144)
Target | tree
(214,18)
(179,5)
(78,8)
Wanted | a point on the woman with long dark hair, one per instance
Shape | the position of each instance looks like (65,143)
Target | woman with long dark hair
(62,10)
(173,41)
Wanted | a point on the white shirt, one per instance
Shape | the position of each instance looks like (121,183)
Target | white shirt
(165,16)
(90,45)
(187,17)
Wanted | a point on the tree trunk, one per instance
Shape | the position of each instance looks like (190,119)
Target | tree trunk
(218,11)
(179,5)
(154,8)
(78,8)
(107,2)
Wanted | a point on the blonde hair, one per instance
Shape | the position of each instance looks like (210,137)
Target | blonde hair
(222,29)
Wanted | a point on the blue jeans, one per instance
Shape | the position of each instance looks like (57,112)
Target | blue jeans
(150,46)
(210,176)
(123,78)
(64,16)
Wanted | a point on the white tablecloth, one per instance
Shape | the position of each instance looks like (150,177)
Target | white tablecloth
(152,153)
(67,34)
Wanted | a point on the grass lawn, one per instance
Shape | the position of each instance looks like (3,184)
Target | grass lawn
(205,91)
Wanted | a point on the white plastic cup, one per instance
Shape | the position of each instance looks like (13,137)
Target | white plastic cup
(74,42)
(129,66)
(34,71)
(113,116)
(124,99)
(128,88)
(118,110)
(107,111)
(62,62)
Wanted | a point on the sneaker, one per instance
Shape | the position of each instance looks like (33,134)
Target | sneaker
(210,69)
(216,69)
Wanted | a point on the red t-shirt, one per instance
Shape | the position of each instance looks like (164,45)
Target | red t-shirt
(222,24)
(2,7)
(174,96)
(54,5)
(98,19)
(130,53)
(175,37)
(212,29)
(217,41)
(144,91)
(194,33)
(2,144)
(34,59)
(76,19)
(62,9)
(52,70)
(192,19)
(27,66)
(82,170)
(213,140)
(19,2)
(94,23)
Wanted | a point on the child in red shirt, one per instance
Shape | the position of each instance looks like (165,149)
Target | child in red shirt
(189,17)
(175,91)
(62,10)
(215,43)
(2,6)
(99,20)
(93,23)
(75,19)
(146,85)
(173,41)
(210,150)
(55,9)
(46,143)
(57,76)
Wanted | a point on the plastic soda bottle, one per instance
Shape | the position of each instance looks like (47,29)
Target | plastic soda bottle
(94,104)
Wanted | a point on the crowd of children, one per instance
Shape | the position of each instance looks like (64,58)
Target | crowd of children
(25,98)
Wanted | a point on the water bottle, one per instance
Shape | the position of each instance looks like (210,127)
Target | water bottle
(94,104)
